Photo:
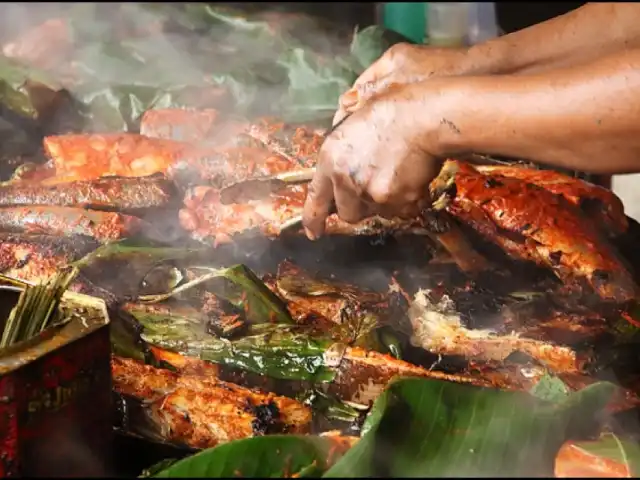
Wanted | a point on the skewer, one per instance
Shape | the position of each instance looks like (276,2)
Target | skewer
(258,188)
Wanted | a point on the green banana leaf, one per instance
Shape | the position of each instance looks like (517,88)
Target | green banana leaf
(274,349)
(331,407)
(277,351)
(551,389)
(157,467)
(269,67)
(26,90)
(368,45)
(239,286)
(368,319)
(130,264)
(154,274)
(271,456)
(427,428)
(125,339)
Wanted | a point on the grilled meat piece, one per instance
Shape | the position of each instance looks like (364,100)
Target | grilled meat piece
(321,298)
(353,315)
(202,411)
(69,221)
(209,220)
(363,374)
(88,157)
(573,460)
(440,329)
(531,223)
(35,258)
(103,194)
(186,365)
(297,144)
(194,126)
(595,201)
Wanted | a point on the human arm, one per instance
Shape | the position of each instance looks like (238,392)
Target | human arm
(584,34)
(382,158)
(584,118)
(566,40)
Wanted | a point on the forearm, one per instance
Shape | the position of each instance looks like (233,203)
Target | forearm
(582,35)
(583,118)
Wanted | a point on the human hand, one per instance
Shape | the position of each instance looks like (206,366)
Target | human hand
(403,64)
(378,162)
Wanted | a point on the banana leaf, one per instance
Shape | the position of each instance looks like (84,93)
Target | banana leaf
(154,274)
(271,456)
(31,105)
(427,428)
(239,286)
(214,46)
(277,351)
(26,90)
(288,352)
(224,47)
(367,319)
(551,389)
(122,267)
(332,408)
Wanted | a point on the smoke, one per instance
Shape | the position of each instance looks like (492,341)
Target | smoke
(92,47)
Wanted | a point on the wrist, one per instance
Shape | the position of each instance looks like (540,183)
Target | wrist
(490,58)
(437,114)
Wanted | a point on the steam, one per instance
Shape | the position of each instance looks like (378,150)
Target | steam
(84,45)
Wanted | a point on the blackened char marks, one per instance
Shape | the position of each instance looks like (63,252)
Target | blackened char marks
(267,418)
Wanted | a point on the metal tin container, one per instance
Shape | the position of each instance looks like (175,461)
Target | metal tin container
(55,394)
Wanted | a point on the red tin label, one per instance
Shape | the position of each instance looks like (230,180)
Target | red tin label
(8,428)
(57,408)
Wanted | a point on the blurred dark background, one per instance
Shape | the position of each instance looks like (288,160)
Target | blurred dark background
(511,16)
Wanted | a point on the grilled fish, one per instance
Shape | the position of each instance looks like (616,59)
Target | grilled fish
(79,157)
(208,219)
(353,314)
(193,126)
(202,411)
(88,157)
(127,194)
(531,223)
(595,201)
(70,221)
(297,144)
(439,328)
(35,258)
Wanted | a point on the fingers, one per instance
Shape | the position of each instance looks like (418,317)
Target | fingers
(350,101)
(360,94)
(318,203)
(349,204)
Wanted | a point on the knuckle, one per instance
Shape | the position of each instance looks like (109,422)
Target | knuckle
(380,195)
(411,195)
(397,51)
